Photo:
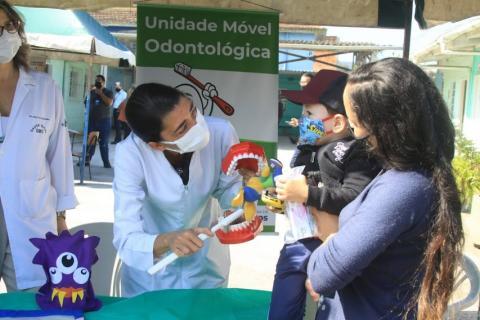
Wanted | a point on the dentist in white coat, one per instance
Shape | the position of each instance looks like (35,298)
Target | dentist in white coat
(36,174)
(168,188)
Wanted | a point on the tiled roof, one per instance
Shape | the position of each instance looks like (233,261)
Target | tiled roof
(127,16)
(116,16)
(317,45)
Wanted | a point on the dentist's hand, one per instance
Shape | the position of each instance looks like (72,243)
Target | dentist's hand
(182,243)
(292,189)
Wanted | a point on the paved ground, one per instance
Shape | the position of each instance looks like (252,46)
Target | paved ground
(253,263)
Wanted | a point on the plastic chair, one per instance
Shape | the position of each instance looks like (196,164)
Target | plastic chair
(106,272)
(467,271)
(91,143)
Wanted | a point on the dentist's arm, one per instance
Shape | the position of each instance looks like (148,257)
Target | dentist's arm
(134,245)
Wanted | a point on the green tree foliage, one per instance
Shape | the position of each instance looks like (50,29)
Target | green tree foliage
(466,166)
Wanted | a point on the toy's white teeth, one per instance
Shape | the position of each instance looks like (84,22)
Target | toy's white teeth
(240,226)
(230,168)
(261,161)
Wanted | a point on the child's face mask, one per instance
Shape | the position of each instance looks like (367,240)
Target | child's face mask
(312,130)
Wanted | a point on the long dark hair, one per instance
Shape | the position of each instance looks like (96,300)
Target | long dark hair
(21,58)
(146,108)
(411,129)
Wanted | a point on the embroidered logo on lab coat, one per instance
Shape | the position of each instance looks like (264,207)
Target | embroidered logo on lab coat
(339,151)
(39,128)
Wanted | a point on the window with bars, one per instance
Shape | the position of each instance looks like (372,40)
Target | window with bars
(77,84)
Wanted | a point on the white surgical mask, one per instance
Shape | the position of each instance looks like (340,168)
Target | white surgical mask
(9,45)
(195,139)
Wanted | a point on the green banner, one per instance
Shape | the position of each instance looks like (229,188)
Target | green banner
(212,39)
(225,61)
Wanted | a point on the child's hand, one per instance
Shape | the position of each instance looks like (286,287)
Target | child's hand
(294,189)
(293,122)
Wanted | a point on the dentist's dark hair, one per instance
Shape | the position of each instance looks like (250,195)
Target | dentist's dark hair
(405,114)
(146,108)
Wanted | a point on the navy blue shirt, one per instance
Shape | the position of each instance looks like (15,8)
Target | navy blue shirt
(98,109)
(369,269)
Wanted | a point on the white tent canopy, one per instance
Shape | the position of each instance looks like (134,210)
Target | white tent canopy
(73,31)
(355,13)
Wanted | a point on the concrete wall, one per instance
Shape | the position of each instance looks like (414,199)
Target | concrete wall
(125,76)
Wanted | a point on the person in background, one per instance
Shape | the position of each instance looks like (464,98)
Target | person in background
(36,185)
(100,118)
(305,79)
(400,241)
(120,96)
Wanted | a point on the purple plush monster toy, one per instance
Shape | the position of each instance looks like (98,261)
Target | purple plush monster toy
(67,261)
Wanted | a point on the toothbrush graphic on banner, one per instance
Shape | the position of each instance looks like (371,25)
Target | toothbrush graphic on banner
(186,72)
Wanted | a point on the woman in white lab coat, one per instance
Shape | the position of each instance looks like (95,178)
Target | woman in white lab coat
(36,174)
(168,188)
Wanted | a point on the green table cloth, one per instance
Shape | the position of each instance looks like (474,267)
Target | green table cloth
(225,304)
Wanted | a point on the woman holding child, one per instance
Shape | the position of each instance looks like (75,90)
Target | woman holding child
(400,240)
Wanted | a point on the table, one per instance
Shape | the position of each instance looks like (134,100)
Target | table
(222,303)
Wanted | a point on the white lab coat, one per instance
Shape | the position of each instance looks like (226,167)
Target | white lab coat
(151,199)
(36,171)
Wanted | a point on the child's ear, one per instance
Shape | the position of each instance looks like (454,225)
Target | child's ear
(340,123)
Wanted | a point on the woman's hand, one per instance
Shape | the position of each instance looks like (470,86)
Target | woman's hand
(182,243)
(294,189)
(308,285)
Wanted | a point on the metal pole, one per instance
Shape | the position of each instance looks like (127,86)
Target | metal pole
(408,6)
(85,122)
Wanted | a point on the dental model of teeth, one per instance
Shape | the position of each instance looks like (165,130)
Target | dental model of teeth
(249,157)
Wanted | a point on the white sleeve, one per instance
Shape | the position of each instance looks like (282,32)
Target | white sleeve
(134,245)
(59,157)
(228,186)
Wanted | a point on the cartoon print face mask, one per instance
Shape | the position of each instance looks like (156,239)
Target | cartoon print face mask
(311,130)
(67,261)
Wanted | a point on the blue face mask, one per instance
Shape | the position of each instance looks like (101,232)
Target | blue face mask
(311,130)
